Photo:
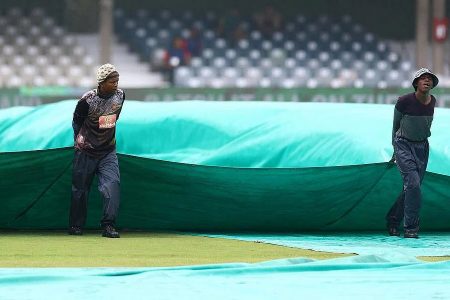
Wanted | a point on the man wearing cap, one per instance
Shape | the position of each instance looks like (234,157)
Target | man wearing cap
(94,126)
(413,115)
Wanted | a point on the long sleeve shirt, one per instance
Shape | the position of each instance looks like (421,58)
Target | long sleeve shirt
(94,122)
(412,119)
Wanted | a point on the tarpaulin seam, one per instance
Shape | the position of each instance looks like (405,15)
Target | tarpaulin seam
(21,214)
(389,166)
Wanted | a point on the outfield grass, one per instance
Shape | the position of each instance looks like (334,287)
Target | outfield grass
(135,249)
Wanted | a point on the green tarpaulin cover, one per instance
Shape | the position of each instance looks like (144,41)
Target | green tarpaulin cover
(212,166)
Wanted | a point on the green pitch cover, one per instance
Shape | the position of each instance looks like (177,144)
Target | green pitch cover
(210,166)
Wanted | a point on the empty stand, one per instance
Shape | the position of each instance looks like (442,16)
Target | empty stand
(35,51)
(311,52)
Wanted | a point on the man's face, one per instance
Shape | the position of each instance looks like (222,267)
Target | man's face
(425,83)
(110,85)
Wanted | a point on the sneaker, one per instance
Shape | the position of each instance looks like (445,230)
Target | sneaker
(75,230)
(110,231)
(411,234)
(393,231)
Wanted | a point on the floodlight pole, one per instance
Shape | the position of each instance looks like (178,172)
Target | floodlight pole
(438,45)
(106,30)
(422,32)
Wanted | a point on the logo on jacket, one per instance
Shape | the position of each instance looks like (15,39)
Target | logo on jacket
(108,121)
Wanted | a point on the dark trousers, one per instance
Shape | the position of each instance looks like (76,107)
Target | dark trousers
(107,171)
(412,160)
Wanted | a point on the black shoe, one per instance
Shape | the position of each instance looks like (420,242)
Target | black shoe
(411,234)
(110,231)
(393,231)
(75,230)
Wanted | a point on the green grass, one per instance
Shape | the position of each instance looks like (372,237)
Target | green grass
(135,249)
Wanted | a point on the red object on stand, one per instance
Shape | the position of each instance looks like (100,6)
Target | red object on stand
(440,29)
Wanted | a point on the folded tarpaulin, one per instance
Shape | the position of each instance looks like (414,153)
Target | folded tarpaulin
(260,166)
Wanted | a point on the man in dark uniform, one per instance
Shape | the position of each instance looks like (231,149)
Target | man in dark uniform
(94,126)
(413,116)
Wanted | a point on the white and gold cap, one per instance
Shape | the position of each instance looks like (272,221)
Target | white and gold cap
(104,71)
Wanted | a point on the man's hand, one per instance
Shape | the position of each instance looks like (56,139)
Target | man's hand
(392,161)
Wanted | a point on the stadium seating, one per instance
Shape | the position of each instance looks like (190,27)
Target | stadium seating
(307,52)
(35,51)
(312,52)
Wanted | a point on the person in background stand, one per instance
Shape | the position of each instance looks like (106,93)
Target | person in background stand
(268,21)
(176,55)
(413,115)
(231,27)
(94,126)
(194,43)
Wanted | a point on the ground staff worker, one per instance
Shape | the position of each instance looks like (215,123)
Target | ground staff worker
(94,125)
(413,116)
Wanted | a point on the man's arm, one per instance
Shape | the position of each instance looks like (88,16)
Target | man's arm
(396,123)
(123,101)
(79,115)
(398,115)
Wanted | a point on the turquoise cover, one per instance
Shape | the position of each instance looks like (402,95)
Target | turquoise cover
(198,165)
